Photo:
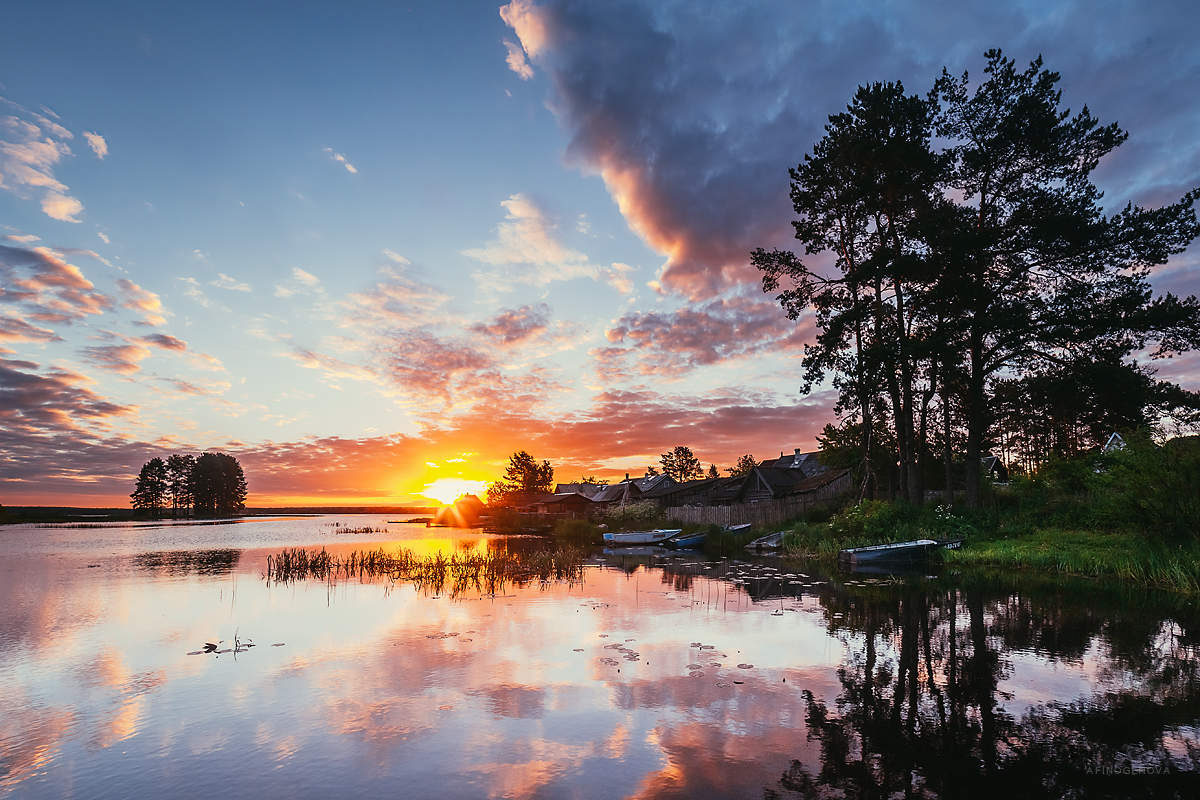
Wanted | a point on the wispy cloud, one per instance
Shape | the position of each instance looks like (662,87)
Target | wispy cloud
(31,146)
(301,282)
(142,300)
(516,60)
(121,358)
(13,329)
(165,341)
(341,159)
(97,143)
(48,287)
(230,283)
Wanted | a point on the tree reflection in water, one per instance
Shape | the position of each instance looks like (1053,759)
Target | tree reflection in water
(921,713)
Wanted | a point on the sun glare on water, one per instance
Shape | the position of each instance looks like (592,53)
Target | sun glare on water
(447,490)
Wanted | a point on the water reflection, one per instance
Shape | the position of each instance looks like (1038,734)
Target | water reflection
(926,706)
(182,562)
(647,675)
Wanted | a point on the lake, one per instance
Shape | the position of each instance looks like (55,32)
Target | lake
(641,676)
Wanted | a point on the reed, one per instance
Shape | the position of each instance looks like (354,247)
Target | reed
(455,572)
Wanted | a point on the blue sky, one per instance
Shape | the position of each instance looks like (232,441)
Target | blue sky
(415,239)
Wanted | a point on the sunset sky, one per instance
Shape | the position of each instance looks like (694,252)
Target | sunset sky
(364,247)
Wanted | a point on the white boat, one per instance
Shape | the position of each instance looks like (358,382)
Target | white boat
(641,537)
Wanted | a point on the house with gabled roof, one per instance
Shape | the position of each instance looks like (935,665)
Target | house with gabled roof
(631,489)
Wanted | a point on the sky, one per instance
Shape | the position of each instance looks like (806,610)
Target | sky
(372,248)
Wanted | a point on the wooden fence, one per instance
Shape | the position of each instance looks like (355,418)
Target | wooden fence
(765,512)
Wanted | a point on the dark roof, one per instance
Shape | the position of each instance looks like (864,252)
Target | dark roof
(807,463)
(667,489)
(649,482)
(790,480)
(562,497)
(611,493)
(632,488)
(588,489)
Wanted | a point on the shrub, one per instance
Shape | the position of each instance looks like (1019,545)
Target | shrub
(1154,487)
(577,531)
(638,513)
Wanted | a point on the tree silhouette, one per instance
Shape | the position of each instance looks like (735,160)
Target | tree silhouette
(179,481)
(988,256)
(150,492)
(681,464)
(218,485)
(712,472)
(744,466)
(522,477)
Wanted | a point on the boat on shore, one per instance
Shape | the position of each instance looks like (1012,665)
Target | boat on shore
(895,553)
(692,540)
(655,536)
(772,541)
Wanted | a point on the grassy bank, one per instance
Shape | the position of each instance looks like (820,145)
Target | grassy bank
(1117,555)
(1013,534)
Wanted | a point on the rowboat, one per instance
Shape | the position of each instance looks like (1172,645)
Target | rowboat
(686,542)
(641,537)
(895,553)
(772,541)
(736,528)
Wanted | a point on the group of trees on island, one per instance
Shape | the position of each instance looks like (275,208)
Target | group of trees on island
(969,290)
(207,485)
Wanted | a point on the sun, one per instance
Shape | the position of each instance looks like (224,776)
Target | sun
(447,490)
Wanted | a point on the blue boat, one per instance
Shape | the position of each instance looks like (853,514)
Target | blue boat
(897,553)
(692,540)
(657,536)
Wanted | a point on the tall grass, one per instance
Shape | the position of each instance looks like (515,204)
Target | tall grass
(487,572)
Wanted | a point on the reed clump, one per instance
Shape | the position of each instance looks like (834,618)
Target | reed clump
(339,528)
(455,572)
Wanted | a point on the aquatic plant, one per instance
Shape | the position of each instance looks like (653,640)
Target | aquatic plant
(486,572)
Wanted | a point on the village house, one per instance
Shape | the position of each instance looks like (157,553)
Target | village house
(774,479)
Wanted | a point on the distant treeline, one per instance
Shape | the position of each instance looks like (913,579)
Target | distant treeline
(207,485)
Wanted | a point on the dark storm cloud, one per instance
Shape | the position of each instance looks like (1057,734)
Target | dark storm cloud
(692,116)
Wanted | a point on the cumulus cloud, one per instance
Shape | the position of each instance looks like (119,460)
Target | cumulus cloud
(97,143)
(341,159)
(31,147)
(103,237)
(692,119)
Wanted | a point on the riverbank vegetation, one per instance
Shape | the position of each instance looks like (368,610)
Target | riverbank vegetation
(455,572)
(1131,515)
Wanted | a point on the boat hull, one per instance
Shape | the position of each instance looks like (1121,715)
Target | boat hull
(897,553)
(687,542)
(640,537)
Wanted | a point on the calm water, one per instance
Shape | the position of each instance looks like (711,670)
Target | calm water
(649,677)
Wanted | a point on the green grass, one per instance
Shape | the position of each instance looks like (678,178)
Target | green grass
(1013,539)
(1116,555)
